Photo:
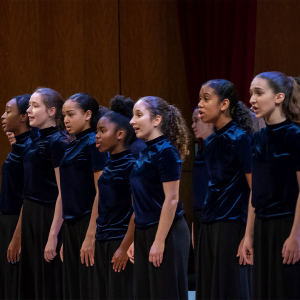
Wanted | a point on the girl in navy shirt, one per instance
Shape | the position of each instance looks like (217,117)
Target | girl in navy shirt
(200,174)
(42,215)
(115,223)
(274,213)
(14,120)
(227,154)
(80,170)
(161,245)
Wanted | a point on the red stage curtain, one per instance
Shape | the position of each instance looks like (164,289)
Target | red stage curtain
(218,39)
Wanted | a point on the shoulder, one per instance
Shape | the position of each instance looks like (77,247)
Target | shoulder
(58,139)
(168,150)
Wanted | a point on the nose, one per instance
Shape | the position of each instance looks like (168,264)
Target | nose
(3,116)
(28,109)
(193,125)
(200,104)
(132,121)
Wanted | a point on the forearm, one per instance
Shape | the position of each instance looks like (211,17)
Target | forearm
(91,231)
(17,233)
(250,220)
(129,236)
(57,219)
(295,232)
(166,219)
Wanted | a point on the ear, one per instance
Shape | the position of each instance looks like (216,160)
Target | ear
(279,98)
(23,118)
(157,120)
(225,104)
(51,111)
(121,134)
(88,115)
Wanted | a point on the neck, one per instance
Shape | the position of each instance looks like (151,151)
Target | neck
(277,116)
(119,148)
(154,134)
(21,129)
(222,121)
(49,123)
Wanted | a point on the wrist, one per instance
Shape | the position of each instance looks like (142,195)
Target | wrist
(159,240)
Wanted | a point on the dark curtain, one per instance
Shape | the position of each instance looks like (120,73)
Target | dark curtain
(218,39)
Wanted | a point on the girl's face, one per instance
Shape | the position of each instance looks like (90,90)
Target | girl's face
(141,121)
(75,118)
(201,130)
(210,108)
(107,137)
(11,119)
(39,115)
(263,99)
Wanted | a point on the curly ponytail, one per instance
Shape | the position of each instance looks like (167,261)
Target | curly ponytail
(173,125)
(238,111)
(289,86)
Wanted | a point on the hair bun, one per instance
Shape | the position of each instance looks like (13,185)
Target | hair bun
(122,105)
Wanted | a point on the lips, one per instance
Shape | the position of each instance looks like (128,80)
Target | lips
(200,114)
(255,109)
(31,118)
(97,144)
(136,129)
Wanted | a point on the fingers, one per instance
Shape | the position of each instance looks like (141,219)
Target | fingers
(156,259)
(61,254)
(86,259)
(82,256)
(248,255)
(91,257)
(49,255)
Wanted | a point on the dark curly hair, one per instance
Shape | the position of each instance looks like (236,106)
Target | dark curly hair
(173,125)
(22,102)
(238,111)
(289,86)
(87,102)
(121,113)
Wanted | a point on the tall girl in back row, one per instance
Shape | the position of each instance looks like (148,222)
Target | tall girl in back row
(227,154)
(275,224)
(80,170)
(14,120)
(161,244)
(42,215)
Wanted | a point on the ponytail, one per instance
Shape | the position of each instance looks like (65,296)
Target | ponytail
(291,108)
(173,125)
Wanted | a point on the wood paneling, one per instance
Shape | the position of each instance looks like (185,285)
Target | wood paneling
(277,37)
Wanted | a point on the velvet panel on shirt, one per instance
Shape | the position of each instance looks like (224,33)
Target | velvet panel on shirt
(77,168)
(275,161)
(40,160)
(115,204)
(136,147)
(13,175)
(159,162)
(200,180)
(227,153)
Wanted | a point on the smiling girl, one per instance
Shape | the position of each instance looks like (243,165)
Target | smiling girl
(14,120)
(80,170)
(115,223)
(275,223)
(42,215)
(227,154)
(161,245)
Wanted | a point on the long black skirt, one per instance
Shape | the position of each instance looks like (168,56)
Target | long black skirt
(169,280)
(108,283)
(38,278)
(197,224)
(9,273)
(219,275)
(271,278)
(77,277)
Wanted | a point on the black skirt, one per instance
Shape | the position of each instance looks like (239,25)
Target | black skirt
(169,281)
(218,273)
(77,277)
(9,273)
(38,278)
(197,224)
(108,283)
(271,278)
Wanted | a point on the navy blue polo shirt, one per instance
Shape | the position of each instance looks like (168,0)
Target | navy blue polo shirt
(115,204)
(136,147)
(13,175)
(77,168)
(227,153)
(275,161)
(200,181)
(40,160)
(159,162)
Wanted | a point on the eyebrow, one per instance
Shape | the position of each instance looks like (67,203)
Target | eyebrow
(207,94)
(8,106)
(70,110)
(258,88)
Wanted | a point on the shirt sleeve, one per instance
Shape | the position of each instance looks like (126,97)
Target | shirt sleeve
(98,159)
(58,148)
(169,165)
(296,152)
(244,152)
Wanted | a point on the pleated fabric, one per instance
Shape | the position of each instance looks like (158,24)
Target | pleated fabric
(38,278)
(218,273)
(9,273)
(271,278)
(169,280)
(108,283)
(77,277)
(197,224)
